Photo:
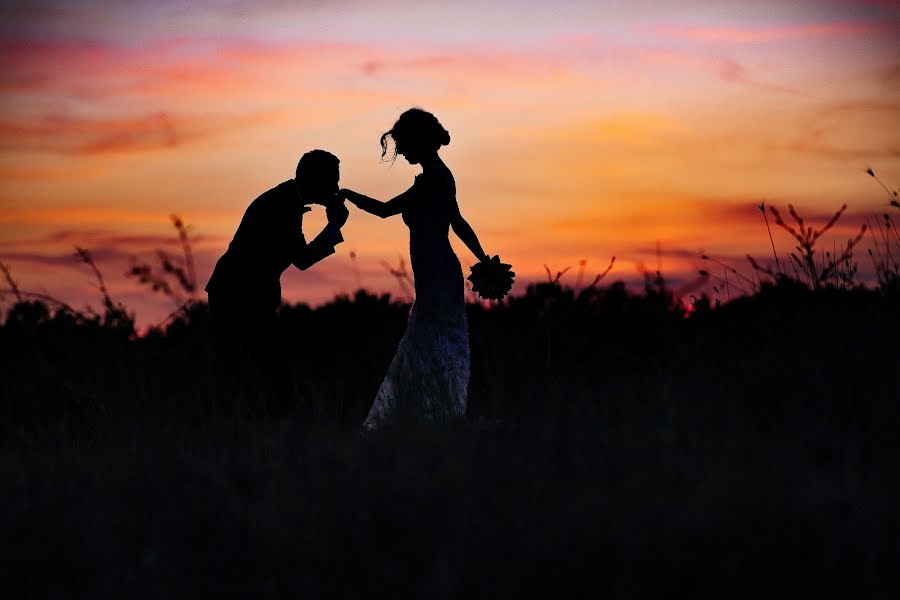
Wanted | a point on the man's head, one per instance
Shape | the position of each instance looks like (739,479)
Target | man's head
(317,177)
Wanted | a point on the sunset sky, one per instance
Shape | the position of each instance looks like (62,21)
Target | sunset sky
(580,129)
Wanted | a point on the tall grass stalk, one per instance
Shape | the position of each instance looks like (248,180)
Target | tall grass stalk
(807,236)
(13,286)
(762,209)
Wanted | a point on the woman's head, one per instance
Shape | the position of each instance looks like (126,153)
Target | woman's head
(416,134)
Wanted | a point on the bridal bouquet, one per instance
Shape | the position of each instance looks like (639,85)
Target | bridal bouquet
(492,279)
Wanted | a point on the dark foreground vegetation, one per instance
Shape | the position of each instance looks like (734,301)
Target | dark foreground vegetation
(615,447)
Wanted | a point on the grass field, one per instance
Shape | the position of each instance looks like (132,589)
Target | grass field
(617,446)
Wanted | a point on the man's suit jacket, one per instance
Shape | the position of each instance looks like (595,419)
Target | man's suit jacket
(268,240)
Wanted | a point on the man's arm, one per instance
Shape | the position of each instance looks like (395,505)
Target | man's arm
(306,255)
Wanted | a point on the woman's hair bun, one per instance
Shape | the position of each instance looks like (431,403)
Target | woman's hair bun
(444,137)
(416,125)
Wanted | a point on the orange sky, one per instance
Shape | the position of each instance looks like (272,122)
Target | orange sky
(579,132)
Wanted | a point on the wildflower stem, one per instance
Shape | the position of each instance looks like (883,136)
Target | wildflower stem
(12,282)
(762,209)
(87,258)
(884,187)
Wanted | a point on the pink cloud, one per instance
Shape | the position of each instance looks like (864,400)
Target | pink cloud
(726,69)
(732,71)
(814,147)
(244,80)
(71,135)
(243,67)
(78,135)
(68,238)
(95,69)
(744,35)
(472,63)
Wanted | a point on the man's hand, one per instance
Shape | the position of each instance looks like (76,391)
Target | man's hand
(337,213)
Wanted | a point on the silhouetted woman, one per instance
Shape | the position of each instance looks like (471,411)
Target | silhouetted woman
(428,378)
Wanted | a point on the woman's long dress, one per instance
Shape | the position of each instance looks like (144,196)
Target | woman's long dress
(428,378)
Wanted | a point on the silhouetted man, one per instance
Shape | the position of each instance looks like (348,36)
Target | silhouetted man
(245,288)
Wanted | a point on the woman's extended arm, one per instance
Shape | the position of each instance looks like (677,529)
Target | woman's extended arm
(465,232)
(392,207)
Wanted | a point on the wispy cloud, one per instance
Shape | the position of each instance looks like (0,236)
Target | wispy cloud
(80,215)
(823,149)
(93,69)
(723,68)
(65,133)
(732,71)
(72,135)
(105,238)
(858,129)
(746,35)
(242,66)
(865,105)
(88,97)
(100,254)
(473,62)
(891,74)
